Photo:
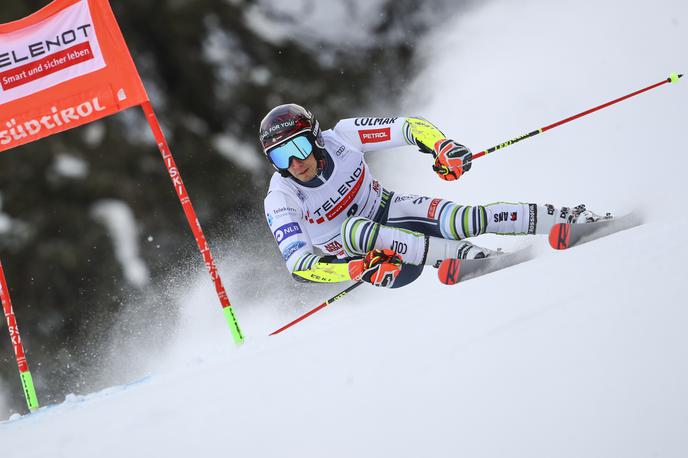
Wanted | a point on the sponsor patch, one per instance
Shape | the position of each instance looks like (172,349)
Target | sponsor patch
(280,212)
(300,195)
(404,197)
(373,121)
(432,209)
(291,249)
(335,205)
(286,231)
(333,247)
(399,247)
(375,135)
(501,217)
(532,218)
(376,186)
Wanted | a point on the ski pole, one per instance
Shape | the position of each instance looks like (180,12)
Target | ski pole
(319,307)
(673,78)
(24,374)
(192,219)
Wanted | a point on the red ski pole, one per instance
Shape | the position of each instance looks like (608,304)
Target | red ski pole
(22,364)
(319,307)
(673,78)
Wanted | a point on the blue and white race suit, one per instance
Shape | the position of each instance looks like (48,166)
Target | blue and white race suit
(305,216)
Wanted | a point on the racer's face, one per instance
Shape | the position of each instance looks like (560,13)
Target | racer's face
(303,169)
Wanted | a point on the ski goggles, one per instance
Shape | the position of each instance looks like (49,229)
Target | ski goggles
(299,147)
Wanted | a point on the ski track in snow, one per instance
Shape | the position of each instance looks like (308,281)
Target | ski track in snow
(575,353)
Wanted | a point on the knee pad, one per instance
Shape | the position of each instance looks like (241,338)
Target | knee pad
(359,235)
(458,222)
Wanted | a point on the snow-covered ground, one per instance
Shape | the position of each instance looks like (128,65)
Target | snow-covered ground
(575,354)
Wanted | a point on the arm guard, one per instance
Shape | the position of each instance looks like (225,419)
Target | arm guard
(420,132)
(328,269)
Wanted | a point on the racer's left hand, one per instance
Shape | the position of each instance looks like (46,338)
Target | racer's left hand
(451,159)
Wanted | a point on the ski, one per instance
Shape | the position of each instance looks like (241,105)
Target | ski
(453,271)
(567,235)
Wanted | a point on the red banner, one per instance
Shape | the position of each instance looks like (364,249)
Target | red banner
(64,66)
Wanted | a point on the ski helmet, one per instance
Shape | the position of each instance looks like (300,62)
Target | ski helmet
(289,131)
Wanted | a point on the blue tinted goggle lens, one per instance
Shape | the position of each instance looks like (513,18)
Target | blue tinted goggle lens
(299,147)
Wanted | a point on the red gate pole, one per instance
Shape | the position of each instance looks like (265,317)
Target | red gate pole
(193,220)
(22,364)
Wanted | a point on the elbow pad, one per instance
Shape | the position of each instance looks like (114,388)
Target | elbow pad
(326,270)
(422,133)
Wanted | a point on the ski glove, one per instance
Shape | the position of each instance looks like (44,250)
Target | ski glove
(451,159)
(378,267)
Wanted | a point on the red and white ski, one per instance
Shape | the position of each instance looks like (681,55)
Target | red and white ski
(567,235)
(453,271)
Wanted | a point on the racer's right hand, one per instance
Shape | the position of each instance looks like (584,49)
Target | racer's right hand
(378,267)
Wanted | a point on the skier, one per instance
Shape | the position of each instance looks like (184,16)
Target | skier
(323,195)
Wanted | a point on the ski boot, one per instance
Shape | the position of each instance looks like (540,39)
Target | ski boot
(580,214)
(441,249)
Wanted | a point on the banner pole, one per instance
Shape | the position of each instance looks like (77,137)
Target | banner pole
(193,220)
(22,364)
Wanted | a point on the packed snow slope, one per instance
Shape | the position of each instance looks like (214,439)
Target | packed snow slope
(581,353)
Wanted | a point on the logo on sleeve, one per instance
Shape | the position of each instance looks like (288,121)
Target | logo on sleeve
(286,231)
(375,135)
(370,122)
(291,249)
(279,213)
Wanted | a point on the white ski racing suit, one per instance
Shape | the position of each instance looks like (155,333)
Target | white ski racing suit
(345,212)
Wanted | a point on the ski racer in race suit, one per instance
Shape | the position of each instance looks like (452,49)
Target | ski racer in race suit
(323,195)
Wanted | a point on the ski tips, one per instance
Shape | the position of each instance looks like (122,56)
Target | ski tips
(674,77)
(448,271)
(560,236)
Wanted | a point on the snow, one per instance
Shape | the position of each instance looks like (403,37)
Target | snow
(5,220)
(308,21)
(576,353)
(119,220)
(237,152)
(94,133)
(70,166)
